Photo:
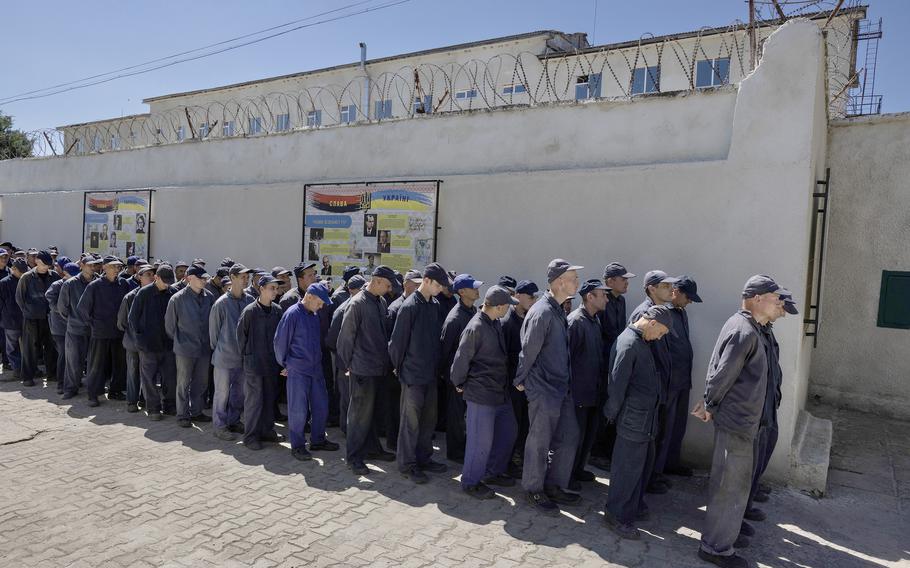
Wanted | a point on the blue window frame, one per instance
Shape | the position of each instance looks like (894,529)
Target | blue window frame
(712,72)
(466,94)
(423,106)
(255,125)
(348,114)
(587,86)
(515,89)
(283,122)
(646,80)
(314,118)
(383,109)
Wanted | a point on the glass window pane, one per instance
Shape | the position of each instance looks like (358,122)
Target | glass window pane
(722,71)
(638,81)
(703,73)
(653,83)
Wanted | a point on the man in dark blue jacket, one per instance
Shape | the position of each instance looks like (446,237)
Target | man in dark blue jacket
(156,349)
(256,342)
(145,275)
(36,334)
(99,306)
(526,292)
(543,374)
(78,331)
(11,315)
(479,372)
(342,379)
(414,353)
(633,395)
(58,322)
(298,349)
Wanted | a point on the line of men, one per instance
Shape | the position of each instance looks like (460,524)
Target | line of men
(527,387)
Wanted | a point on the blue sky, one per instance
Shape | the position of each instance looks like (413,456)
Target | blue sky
(53,42)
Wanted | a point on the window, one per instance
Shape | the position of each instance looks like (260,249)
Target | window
(228,128)
(423,106)
(255,125)
(893,307)
(96,143)
(348,114)
(283,122)
(587,87)
(712,72)
(466,94)
(181,134)
(314,118)
(115,142)
(514,89)
(383,109)
(203,130)
(646,80)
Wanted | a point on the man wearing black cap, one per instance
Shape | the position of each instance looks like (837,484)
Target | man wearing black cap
(298,349)
(658,291)
(479,372)
(4,272)
(99,306)
(146,275)
(305,273)
(390,395)
(283,276)
(180,270)
(227,402)
(363,346)
(414,352)
(543,374)
(735,391)
(342,378)
(326,315)
(11,315)
(634,394)
(156,348)
(508,283)
(36,333)
(255,276)
(187,323)
(588,372)
(467,290)
(526,292)
(685,292)
(255,341)
(214,284)
(78,330)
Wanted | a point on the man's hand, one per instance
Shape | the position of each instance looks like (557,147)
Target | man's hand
(701,412)
(459,389)
(521,388)
(284,372)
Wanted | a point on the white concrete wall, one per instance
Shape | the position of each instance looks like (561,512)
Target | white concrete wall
(858,364)
(714,184)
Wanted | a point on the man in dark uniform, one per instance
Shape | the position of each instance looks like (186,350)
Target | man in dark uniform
(466,288)
(78,331)
(36,334)
(390,396)
(526,292)
(99,306)
(658,291)
(479,372)
(256,341)
(146,275)
(4,272)
(58,322)
(11,315)
(342,378)
(363,347)
(543,374)
(155,347)
(735,392)
(685,292)
(634,394)
(588,372)
(414,353)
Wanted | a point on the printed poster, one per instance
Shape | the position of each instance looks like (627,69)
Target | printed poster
(117,223)
(369,224)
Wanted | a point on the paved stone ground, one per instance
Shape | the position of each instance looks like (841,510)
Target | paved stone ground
(101,487)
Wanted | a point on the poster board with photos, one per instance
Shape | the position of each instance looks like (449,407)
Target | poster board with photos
(368,224)
(117,223)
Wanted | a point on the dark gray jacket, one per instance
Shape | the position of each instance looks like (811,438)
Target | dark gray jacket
(479,365)
(362,340)
(511,331)
(681,354)
(543,365)
(99,306)
(256,339)
(414,346)
(613,321)
(456,321)
(186,321)
(68,305)
(775,378)
(55,319)
(634,390)
(737,380)
(660,348)
(331,340)
(587,352)
(146,318)
(30,293)
(123,319)
(223,321)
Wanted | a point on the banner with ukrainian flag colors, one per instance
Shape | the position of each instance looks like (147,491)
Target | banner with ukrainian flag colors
(368,224)
(117,223)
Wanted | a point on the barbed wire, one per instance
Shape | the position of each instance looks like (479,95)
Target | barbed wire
(503,80)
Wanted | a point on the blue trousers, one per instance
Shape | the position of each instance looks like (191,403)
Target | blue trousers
(132,376)
(673,430)
(307,397)
(491,434)
(12,348)
(60,344)
(76,347)
(227,400)
(630,468)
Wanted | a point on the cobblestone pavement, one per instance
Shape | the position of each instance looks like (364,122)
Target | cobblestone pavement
(101,487)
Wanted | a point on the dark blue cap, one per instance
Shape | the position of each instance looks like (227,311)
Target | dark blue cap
(686,285)
(227,261)
(499,296)
(466,281)
(789,302)
(320,292)
(661,314)
(20,264)
(4,252)
(45,257)
(279,270)
(71,268)
(111,259)
(62,261)
(197,271)
(655,277)
(181,263)
(434,271)
(303,266)
(356,282)
(615,269)
(527,287)
(507,282)
(350,271)
(758,285)
(590,286)
(383,271)
(131,260)
(266,279)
